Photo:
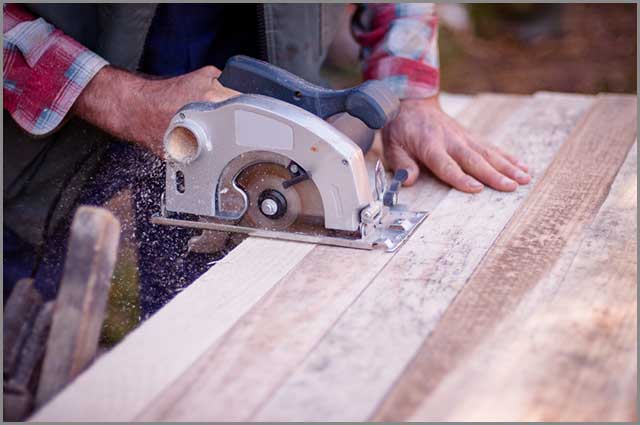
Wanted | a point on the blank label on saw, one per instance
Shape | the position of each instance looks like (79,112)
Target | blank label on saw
(257,131)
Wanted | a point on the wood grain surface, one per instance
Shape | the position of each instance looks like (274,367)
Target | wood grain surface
(566,200)
(214,303)
(512,306)
(353,367)
(568,351)
(122,383)
(279,331)
(19,312)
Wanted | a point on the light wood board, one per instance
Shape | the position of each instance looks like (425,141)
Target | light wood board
(354,366)
(568,351)
(558,210)
(121,384)
(286,331)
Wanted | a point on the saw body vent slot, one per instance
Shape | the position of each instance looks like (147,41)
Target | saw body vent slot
(180,186)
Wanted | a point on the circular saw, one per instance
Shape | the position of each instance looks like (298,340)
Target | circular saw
(285,160)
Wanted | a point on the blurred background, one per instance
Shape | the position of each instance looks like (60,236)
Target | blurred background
(504,48)
(522,48)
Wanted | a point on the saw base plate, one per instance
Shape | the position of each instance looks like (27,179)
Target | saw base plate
(398,225)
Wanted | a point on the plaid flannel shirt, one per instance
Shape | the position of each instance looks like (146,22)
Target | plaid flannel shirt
(400,47)
(45,71)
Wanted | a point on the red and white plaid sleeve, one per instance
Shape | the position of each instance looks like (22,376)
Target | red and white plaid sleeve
(400,46)
(44,70)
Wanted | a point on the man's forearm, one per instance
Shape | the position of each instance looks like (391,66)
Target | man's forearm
(110,102)
(126,106)
(139,109)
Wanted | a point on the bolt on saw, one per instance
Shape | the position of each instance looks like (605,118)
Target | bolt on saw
(284,160)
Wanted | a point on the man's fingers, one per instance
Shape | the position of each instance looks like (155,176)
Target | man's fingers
(479,166)
(503,162)
(448,170)
(398,158)
(512,159)
(507,168)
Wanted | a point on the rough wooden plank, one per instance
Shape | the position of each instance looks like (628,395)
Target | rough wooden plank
(18,315)
(278,332)
(281,327)
(193,321)
(20,387)
(81,300)
(566,200)
(16,403)
(354,365)
(569,351)
(121,383)
(260,351)
(32,353)
(454,104)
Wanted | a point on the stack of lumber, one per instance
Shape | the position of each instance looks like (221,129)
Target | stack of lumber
(502,306)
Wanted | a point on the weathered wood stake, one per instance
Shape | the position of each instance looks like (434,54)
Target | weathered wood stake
(80,306)
(19,313)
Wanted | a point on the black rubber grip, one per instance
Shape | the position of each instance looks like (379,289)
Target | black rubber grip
(371,102)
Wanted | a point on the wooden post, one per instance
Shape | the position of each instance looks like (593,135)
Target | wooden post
(19,384)
(17,403)
(22,314)
(26,372)
(82,296)
(19,312)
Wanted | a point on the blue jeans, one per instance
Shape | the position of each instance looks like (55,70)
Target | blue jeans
(164,265)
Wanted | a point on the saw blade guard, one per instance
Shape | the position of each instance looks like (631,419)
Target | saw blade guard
(208,144)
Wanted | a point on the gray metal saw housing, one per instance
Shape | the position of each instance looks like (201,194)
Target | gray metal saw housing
(207,144)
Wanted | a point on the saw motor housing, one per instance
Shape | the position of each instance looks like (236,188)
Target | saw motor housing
(208,144)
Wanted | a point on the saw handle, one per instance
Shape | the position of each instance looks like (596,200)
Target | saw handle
(371,102)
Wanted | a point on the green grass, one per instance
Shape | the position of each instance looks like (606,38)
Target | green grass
(123,307)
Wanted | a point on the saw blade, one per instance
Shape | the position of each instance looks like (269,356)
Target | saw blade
(301,208)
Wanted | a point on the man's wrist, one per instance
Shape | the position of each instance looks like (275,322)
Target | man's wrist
(431,101)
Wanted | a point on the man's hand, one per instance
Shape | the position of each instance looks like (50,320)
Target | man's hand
(423,133)
(137,109)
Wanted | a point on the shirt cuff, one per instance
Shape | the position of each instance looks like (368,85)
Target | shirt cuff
(406,78)
(44,73)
